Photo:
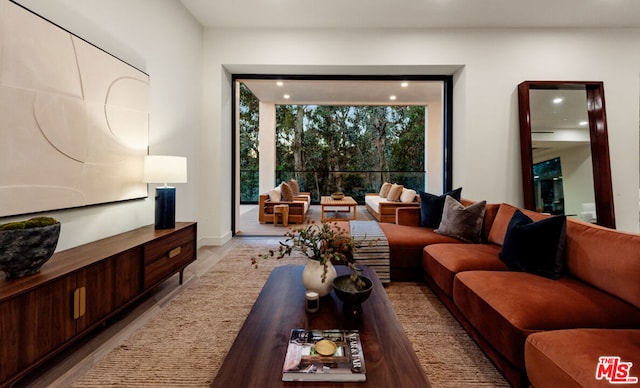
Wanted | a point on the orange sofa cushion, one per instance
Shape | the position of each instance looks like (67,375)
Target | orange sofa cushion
(569,358)
(406,243)
(441,262)
(605,258)
(501,222)
(505,307)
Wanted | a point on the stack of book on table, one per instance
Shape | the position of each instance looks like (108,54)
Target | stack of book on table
(324,355)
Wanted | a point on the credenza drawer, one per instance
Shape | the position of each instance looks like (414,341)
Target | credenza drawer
(166,256)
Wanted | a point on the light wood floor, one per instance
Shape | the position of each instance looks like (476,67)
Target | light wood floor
(74,362)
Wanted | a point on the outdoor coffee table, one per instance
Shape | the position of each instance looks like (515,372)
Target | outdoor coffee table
(328,204)
(257,355)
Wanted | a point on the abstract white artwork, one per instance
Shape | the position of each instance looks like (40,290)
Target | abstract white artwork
(74,120)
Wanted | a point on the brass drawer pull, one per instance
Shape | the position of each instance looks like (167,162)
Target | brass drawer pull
(79,302)
(175,252)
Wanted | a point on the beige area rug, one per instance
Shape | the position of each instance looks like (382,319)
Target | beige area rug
(185,344)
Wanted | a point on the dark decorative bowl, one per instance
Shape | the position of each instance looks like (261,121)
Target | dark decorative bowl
(24,251)
(337,196)
(352,298)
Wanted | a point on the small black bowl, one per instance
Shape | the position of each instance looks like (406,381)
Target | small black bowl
(352,298)
(24,251)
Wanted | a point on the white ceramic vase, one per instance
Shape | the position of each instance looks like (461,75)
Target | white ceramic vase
(312,277)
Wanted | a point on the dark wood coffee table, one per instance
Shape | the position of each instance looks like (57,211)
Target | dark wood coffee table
(257,355)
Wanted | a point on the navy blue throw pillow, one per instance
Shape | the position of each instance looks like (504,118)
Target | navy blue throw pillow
(431,207)
(535,247)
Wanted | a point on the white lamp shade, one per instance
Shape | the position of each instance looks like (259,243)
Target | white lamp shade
(165,169)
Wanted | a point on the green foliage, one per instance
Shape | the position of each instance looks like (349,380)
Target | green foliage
(249,156)
(548,169)
(35,222)
(352,149)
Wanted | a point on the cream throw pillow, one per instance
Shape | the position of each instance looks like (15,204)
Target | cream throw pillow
(408,195)
(395,192)
(384,190)
(275,194)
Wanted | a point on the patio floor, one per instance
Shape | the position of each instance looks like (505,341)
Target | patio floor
(249,225)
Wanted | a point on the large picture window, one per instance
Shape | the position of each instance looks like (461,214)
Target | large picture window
(329,143)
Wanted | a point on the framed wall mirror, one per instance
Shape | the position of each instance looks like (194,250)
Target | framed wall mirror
(565,150)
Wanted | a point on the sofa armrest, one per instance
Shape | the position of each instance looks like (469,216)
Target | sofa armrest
(409,216)
(303,196)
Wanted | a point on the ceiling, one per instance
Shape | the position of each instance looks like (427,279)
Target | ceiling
(559,119)
(333,14)
(345,92)
(415,13)
(362,14)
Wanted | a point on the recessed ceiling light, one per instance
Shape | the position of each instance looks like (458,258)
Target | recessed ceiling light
(404,84)
(392,98)
(583,123)
(286,96)
(557,100)
(279,83)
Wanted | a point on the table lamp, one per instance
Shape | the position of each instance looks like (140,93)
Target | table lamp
(165,169)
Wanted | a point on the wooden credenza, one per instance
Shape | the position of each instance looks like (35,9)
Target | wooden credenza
(80,288)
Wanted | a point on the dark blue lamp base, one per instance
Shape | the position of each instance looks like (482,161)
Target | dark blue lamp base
(165,207)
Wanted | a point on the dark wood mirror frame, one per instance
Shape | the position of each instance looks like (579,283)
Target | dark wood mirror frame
(599,144)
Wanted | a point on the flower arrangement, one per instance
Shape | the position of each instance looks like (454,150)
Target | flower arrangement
(324,242)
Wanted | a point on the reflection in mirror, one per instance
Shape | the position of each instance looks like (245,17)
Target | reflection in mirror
(565,150)
(562,166)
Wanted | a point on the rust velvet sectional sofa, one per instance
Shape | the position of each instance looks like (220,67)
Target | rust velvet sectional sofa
(525,319)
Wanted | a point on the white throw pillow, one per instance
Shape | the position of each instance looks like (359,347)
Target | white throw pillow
(275,194)
(408,195)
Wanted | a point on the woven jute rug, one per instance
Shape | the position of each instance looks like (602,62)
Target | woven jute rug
(185,343)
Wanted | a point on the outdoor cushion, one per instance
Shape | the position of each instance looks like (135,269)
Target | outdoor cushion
(287,193)
(408,195)
(384,189)
(295,188)
(275,194)
(395,192)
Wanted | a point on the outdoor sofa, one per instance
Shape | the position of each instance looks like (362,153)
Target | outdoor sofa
(383,205)
(289,194)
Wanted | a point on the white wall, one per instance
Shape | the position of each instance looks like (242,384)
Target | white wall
(493,62)
(434,147)
(164,40)
(266,147)
(577,178)
(191,96)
